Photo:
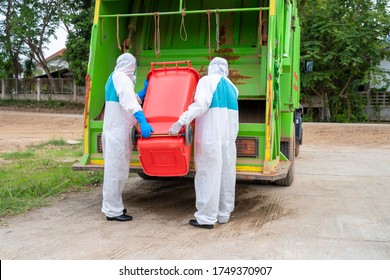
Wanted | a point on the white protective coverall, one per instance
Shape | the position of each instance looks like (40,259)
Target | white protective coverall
(121,104)
(215,110)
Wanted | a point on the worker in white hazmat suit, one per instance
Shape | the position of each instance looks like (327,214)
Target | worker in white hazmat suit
(122,110)
(215,110)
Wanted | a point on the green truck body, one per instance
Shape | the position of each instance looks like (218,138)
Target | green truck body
(260,40)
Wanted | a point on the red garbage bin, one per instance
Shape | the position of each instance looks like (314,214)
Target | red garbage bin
(170,91)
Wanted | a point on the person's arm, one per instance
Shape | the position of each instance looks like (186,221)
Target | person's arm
(125,90)
(141,94)
(146,129)
(128,100)
(202,101)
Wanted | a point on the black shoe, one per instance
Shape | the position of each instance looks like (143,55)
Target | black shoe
(124,211)
(121,218)
(196,224)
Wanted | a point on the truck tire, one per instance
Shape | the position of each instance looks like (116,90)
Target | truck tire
(288,149)
(297,148)
(298,129)
(298,144)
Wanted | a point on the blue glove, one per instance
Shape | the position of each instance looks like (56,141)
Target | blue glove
(142,93)
(146,129)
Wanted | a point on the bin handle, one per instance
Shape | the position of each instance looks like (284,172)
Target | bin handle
(187,134)
(173,63)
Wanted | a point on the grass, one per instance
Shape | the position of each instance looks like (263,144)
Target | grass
(53,105)
(32,178)
(17,155)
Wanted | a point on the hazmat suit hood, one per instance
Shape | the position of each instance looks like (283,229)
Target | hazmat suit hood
(126,63)
(218,66)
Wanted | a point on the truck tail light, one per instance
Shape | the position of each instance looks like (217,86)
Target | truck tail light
(99,144)
(247,147)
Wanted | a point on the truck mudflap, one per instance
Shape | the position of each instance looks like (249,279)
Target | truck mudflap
(280,172)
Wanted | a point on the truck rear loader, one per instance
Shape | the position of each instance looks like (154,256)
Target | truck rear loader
(260,39)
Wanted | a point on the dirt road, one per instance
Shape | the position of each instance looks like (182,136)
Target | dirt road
(337,208)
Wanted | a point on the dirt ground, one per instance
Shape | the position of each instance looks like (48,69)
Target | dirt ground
(20,129)
(337,208)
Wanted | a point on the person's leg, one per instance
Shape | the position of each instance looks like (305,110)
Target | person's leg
(207,181)
(116,172)
(228,183)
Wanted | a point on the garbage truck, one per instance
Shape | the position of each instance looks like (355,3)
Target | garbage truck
(260,39)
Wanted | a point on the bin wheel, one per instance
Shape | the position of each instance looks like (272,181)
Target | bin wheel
(188,134)
(145,176)
(133,139)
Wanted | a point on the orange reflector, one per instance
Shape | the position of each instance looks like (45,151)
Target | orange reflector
(99,143)
(247,147)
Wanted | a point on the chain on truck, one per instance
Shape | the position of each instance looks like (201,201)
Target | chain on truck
(259,39)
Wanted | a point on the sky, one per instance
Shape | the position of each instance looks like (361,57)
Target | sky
(56,44)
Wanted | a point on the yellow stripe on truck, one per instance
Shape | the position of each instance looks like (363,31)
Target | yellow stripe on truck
(96,15)
(272,8)
(249,168)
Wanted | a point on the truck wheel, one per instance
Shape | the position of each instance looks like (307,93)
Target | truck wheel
(297,147)
(288,149)
(298,129)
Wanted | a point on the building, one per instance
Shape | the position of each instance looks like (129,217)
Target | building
(57,65)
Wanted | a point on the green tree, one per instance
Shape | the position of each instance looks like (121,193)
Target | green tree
(28,25)
(78,22)
(10,45)
(28,67)
(5,70)
(345,39)
(34,22)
